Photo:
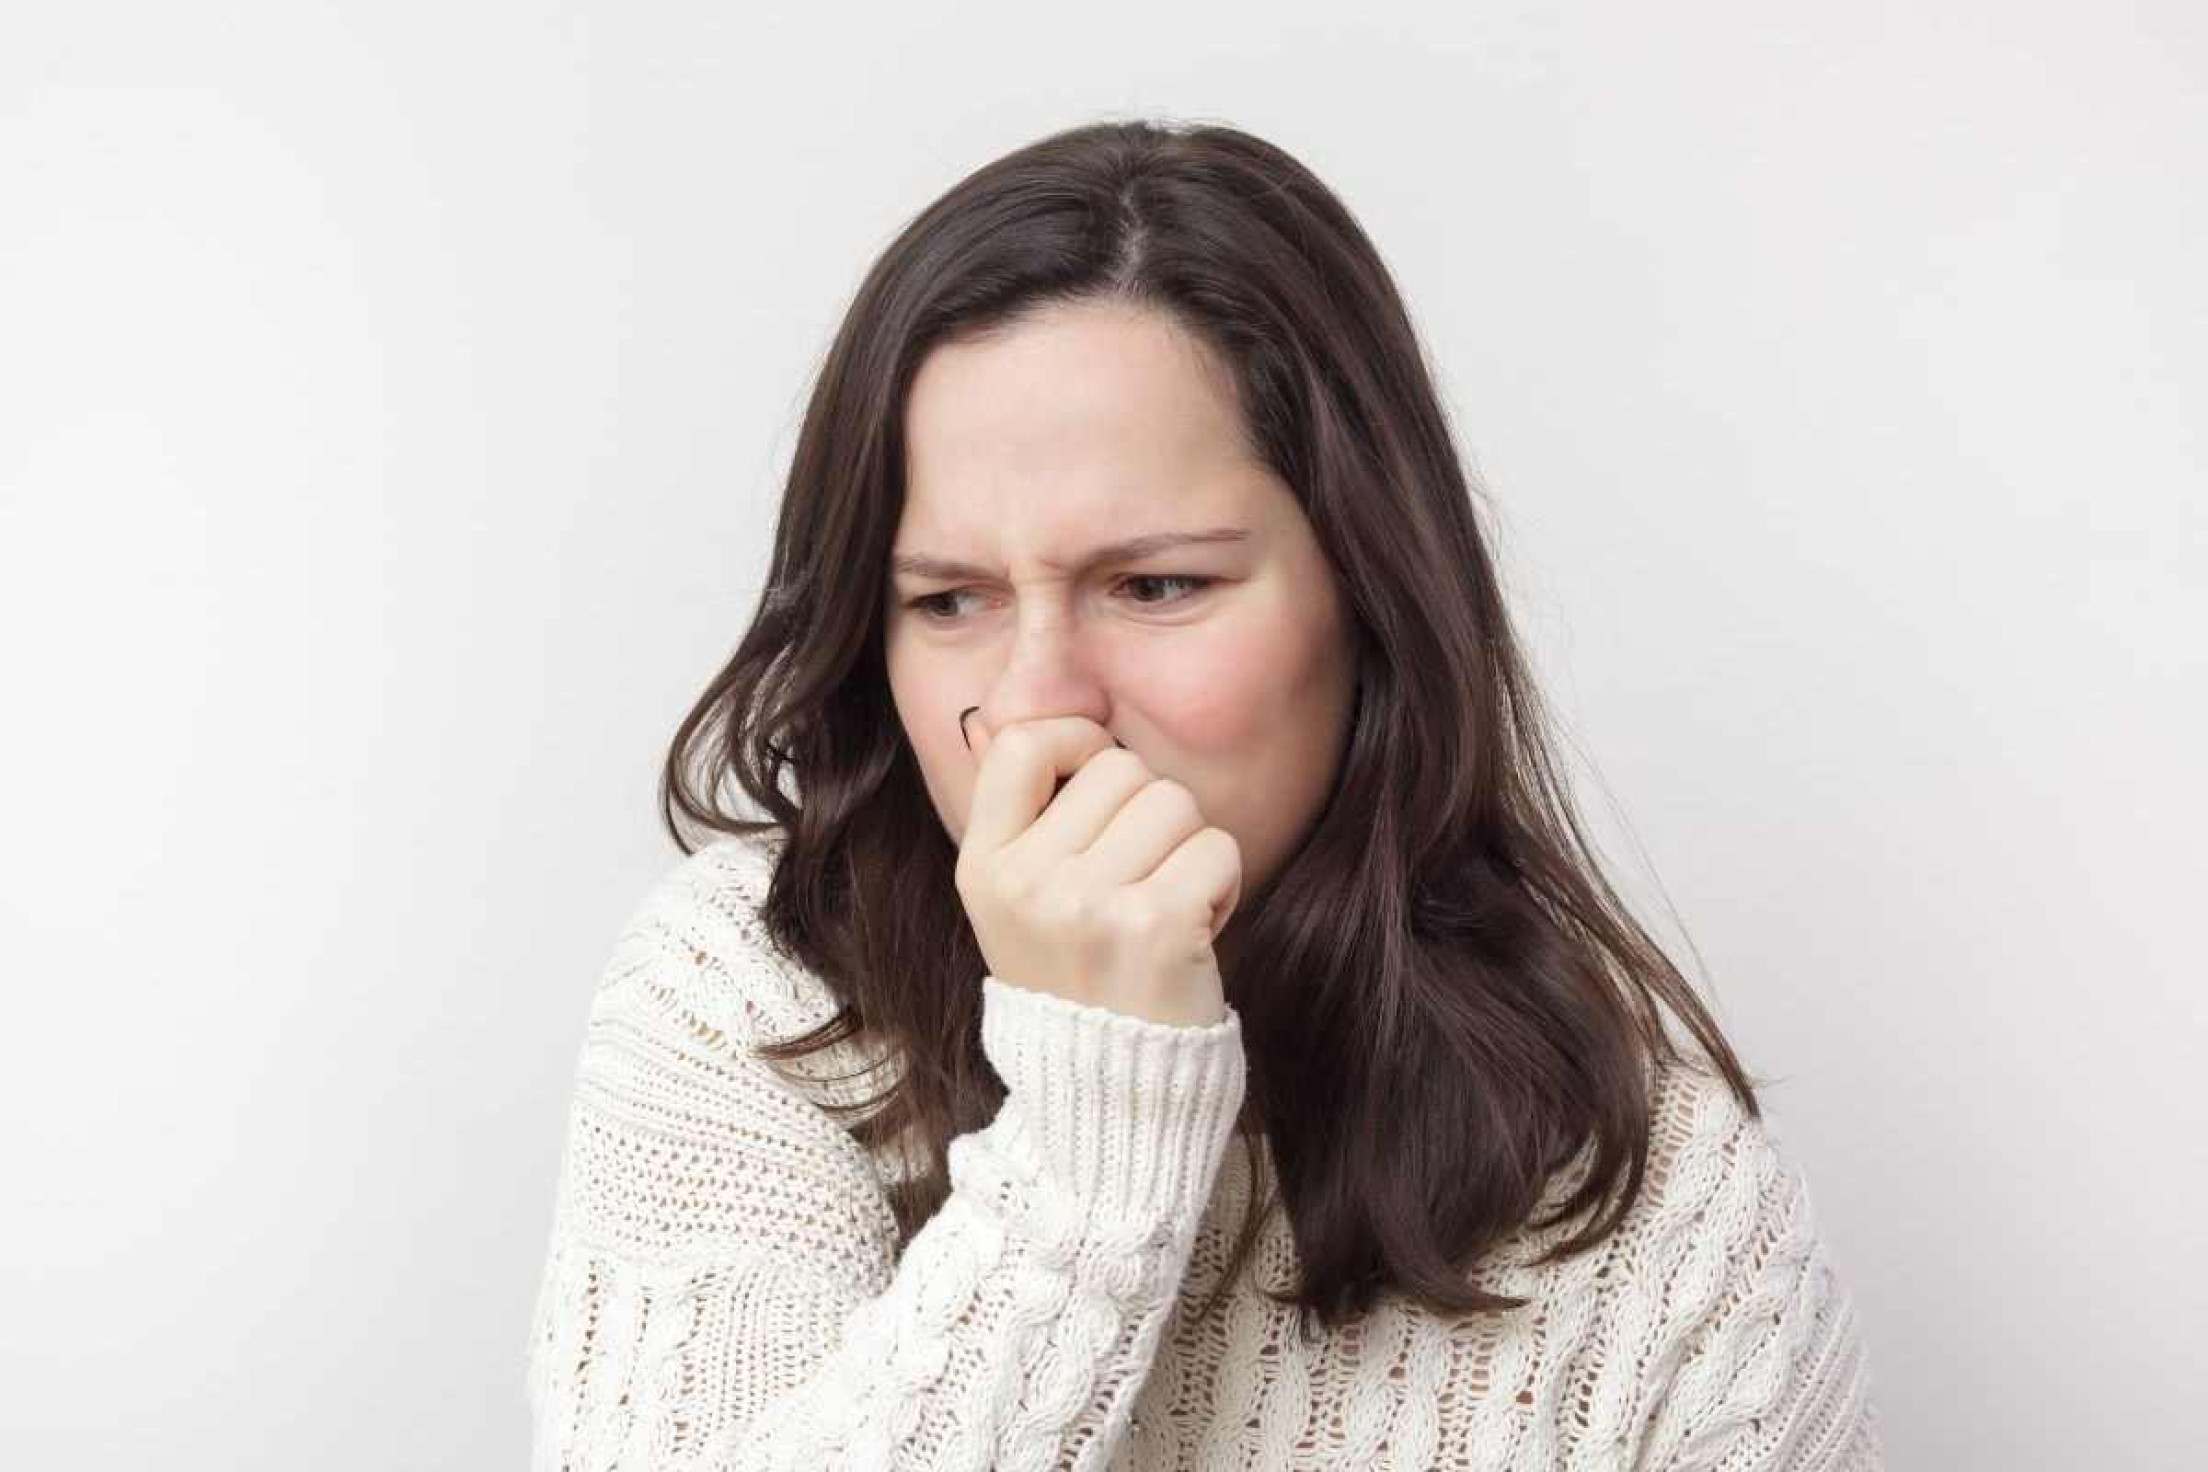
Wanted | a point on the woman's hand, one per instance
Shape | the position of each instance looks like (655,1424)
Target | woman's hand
(1109,893)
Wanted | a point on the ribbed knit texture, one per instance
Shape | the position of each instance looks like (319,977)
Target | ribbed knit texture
(723,1291)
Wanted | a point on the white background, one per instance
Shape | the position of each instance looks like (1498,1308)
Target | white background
(392,403)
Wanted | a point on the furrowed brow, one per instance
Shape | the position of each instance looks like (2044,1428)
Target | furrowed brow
(921,565)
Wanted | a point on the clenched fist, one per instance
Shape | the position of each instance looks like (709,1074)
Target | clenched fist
(1110,892)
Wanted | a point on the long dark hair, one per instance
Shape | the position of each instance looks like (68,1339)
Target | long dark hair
(1455,1004)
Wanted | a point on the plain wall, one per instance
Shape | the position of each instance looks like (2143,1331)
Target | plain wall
(392,405)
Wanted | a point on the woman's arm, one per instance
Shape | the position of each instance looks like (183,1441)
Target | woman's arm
(721,1290)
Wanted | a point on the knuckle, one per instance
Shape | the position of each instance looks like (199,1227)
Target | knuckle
(994,882)
(1137,913)
(1120,759)
(1062,907)
(1013,887)
(1173,797)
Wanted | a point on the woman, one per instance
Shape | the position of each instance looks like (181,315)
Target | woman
(1164,773)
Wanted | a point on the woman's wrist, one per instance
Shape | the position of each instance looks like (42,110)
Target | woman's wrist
(1129,1115)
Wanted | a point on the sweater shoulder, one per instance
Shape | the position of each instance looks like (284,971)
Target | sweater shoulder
(683,1144)
(1743,1297)
(699,939)
(1705,1143)
(1708,1157)
(1725,1214)
(698,948)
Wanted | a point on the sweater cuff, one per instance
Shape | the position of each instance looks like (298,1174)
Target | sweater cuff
(1131,1116)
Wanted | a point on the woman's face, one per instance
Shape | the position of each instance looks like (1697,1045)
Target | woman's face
(1026,456)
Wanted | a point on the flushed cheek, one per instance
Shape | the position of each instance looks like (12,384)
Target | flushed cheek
(1225,733)
(1222,698)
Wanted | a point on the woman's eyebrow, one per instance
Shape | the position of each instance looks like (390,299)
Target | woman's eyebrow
(921,565)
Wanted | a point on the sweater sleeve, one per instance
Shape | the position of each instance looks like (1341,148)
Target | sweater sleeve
(1756,1359)
(723,1291)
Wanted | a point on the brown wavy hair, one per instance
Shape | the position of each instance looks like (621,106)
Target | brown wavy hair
(1455,1002)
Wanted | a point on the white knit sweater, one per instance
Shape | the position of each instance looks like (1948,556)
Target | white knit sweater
(722,1289)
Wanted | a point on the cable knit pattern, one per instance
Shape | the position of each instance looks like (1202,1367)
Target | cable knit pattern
(723,1290)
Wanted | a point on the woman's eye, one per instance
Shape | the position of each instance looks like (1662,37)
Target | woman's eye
(1195,584)
(930,604)
(933,605)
